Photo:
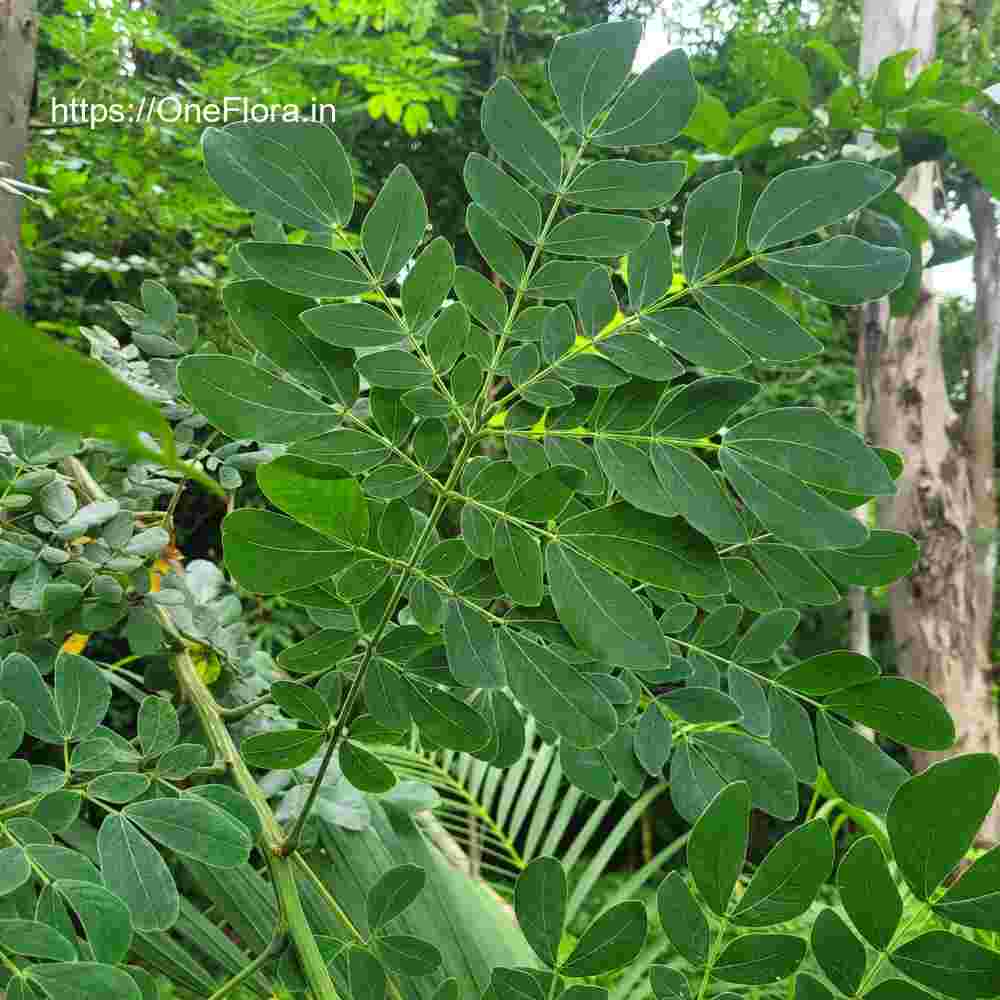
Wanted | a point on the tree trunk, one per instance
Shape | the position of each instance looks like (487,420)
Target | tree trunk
(937,612)
(982,398)
(18,39)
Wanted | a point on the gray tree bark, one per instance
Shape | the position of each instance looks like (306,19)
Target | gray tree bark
(939,616)
(18,41)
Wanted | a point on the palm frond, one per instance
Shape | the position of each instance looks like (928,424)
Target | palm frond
(503,819)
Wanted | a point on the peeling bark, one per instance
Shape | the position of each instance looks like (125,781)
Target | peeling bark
(18,40)
(940,618)
(982,398)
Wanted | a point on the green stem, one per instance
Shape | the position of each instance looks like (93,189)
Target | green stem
(819,706)
(921,914)
(281,868)
(442,387)
(813,803)
(354,690)
(627,324)
(713,957)
(278,944)
(482,406)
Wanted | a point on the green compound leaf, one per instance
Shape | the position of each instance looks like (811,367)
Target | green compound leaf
(787,881)
(195,828)
(711,217)
(622,184)
(928,841)
(540,904)
(897,989)
(653,740)
(323,649)
(408,955)
(868,892)
(118,786)
(158,726)
(82,695)
(245,401)
(682,920)
(22,684)
(559,279)
(900,709)
(660,551)
(668,984)
(512,205)
(445,719)
(36,940)
(844,270)
(83,980)
(495,246)
(701,408)
(974,901)
(364,770)
(105,918)
(320,496)
(788,508)
(297,172)
(756,323)
(717,846)
(306,269)
(448,336)
(473,655)
(650,269)
(856,767)
(15,869)
(133,870)
(301,702)
(840,953)
(394,369)
(11,727)
(588,68)
(485,302)
(365,975)
(601,613)
(808,444)
(517,134)
(274,322)
(798,202)
(269,553)
(886,556)
(698,495)
(351,450)
(611,941)
(760,959)
(394,225)
(826,673)
(394,891)
(284,749)
(517,561)
(654,108)
(544,496)
(766,636)
(557,692)
(346,324)
(696,337)
(950,964)
(597,234)
(792,735)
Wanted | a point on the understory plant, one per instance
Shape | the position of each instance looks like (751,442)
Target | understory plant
(522,502)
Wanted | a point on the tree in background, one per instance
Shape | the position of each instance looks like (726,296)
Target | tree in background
(18,37)
(929,127)
(942,613)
